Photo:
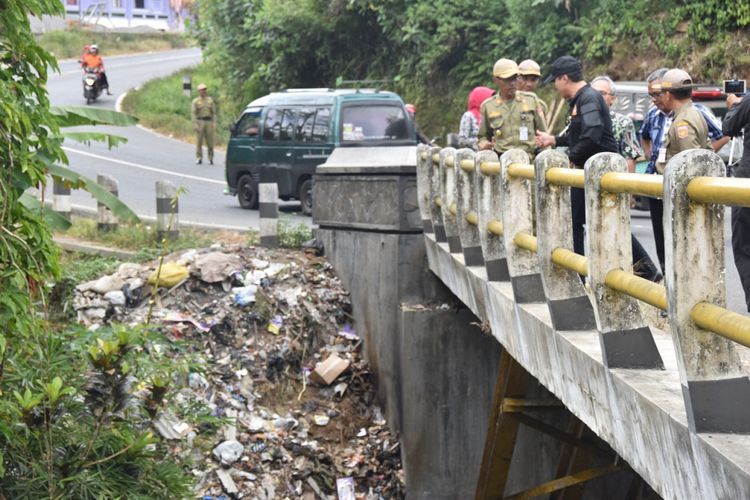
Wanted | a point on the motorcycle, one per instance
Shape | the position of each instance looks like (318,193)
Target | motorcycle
(92,85)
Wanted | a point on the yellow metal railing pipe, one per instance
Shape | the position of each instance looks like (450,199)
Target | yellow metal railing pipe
(723,322)
(521,171)
(490,167)
(495,227)
(472,218)
(565,177)
(438,202)
(436,159)
(637,287)
(526,241)
(453,209)
(642,184)
(467,165)
(570,260)
(723,190)
(425,155)
(450,162)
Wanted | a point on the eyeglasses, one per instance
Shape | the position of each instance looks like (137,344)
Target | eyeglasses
(604,92)
(654,95)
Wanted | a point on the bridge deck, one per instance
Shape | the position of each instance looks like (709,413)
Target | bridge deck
(640,413)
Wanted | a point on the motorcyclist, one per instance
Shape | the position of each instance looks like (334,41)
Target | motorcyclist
(93,60)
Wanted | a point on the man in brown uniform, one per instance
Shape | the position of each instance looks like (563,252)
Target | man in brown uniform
(689,129)
(509,119)
(203,112)
(529,74)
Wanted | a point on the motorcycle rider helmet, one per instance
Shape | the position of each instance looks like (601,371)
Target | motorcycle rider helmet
(93,48)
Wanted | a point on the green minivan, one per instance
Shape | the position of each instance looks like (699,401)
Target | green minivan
(284,136)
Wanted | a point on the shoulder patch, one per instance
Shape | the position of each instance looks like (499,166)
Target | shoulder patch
(683,131)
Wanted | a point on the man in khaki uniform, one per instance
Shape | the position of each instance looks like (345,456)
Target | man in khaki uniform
(509,119)
(204,121)
(529,74)
(689,129)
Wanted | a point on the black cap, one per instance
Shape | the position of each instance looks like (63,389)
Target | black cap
(563,65)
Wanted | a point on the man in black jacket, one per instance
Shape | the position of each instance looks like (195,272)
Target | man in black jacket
(589,132)
(736,122)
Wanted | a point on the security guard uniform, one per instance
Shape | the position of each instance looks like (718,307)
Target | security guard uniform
(530,67)
(204,116)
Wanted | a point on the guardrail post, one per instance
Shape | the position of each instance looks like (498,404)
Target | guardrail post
(106,220)
(61,198)
(436,190)
(468,219)
(424,165)
(518,217)
(449,208)
(715,387)
(569,306)
(187,85)
(625,338)
(167,211)
(490,188)
(268,210)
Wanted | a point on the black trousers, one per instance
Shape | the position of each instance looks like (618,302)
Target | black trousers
(741,239)
(656,207)
(643,266)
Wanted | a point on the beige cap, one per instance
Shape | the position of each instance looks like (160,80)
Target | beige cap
(529,67)
(675,79)
(505,68)
(202,86)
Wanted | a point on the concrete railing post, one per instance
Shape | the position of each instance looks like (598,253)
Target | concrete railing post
(468,207)
(449,208)
(569,306)
(715,387)
(167,211)
(625,338)
(268,208)
(61,198)
(436,195)
(424,165)
(187,85)
(518,217)
(106,220)
(490,192)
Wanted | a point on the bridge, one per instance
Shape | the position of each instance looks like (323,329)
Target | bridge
(515,368)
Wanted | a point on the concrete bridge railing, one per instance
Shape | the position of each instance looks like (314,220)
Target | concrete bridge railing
(483,207)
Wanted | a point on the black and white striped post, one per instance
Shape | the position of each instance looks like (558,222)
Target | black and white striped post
(269,214)
(187,85)
(61,198)
(167,211)
(106,220)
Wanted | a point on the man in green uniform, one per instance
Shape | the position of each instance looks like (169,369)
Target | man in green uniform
(204,120)
(509,119)
(529,74)
(689,129)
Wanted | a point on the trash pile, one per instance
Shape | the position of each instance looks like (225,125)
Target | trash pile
(283,368)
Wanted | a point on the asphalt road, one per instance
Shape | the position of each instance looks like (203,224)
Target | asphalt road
(149,157)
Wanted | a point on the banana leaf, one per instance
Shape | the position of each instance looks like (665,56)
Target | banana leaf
(88,137)
(72,116)
(53,220)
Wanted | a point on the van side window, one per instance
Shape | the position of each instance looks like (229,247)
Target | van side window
(322,125)
(248,125)
(287,125)
(272,125)
(305,120)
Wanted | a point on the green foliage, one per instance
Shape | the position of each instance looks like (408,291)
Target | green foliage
(443,48)
(291,236)
(70,426)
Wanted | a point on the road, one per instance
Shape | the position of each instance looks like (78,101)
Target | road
(149,157)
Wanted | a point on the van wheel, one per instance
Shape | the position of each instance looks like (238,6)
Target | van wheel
(247,192)
(305,197)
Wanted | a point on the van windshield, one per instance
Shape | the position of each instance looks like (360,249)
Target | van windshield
(373,123)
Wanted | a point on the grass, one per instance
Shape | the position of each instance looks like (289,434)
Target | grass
(160,105)
(67,44)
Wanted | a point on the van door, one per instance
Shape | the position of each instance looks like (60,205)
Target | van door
(242,160)
(314,145)
(275,151)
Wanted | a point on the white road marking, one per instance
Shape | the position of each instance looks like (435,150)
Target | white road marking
(144,167)
(135,63)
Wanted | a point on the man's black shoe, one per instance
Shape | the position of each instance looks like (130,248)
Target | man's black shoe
(198,161)
(210,162)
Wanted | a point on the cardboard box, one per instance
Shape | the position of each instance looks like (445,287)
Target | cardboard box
(329,370)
